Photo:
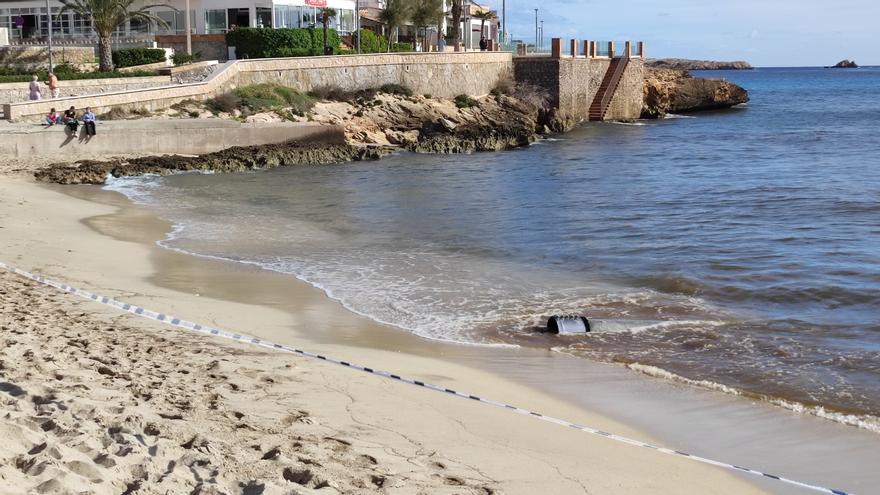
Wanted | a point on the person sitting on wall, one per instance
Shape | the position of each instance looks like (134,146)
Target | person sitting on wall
(484,45)
(52,117)
(89,121)
(70,120)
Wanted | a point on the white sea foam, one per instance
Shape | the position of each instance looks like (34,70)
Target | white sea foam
(678,116)
(867,422)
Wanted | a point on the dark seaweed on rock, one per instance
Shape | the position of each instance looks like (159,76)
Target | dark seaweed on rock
(236,159)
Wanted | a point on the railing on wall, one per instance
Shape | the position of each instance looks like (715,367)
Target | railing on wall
(586,49)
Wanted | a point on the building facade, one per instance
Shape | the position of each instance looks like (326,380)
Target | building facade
(27,20)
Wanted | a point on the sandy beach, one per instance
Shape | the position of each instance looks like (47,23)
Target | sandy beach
(99,402)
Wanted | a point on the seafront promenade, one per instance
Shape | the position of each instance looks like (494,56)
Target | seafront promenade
(138,137)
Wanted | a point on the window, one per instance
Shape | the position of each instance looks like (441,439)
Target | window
(215,21)
(264,17)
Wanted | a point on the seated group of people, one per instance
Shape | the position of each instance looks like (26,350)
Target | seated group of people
(70,119)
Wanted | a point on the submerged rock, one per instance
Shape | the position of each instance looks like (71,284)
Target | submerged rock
(676,91)
(236,159)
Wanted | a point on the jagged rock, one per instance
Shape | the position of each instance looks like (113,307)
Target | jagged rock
(674,91)
(845,64)
(686,64)
(236,159)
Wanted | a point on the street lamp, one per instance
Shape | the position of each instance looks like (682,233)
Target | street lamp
(542,34)
(503,21)
(49,15)
(536,30)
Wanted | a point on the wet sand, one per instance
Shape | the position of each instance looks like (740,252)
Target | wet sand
(280,308)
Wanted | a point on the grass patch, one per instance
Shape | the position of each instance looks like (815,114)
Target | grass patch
(262,98)
(465,101)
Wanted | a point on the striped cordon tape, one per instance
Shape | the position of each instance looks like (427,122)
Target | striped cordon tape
(187,325)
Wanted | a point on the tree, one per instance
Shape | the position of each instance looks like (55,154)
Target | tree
(106,16)
(483,16)
(456,10)
(326,14)
(392,16)
(425,13)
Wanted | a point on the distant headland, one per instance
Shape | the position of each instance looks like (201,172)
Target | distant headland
(686,64)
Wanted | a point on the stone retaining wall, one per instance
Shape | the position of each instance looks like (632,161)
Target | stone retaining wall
(31,57)
(18,92)
(574,82)
(437,74)
(209,46)
(158,137)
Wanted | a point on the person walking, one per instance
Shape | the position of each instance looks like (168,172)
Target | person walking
(441,42)
(34,91)
(53,84)
(88,119)
(70,121)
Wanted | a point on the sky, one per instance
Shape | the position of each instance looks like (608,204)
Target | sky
(766,33)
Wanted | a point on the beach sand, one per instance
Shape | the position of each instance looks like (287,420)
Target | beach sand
(100,402)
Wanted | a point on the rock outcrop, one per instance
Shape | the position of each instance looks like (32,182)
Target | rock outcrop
(433,125)
(676,91)
(845,64)
(685,64)
(237,159)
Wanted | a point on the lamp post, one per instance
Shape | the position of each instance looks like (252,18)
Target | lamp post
(49,16)
(536,30)
(504,21)
(186,25)
(357,23)
(542,34)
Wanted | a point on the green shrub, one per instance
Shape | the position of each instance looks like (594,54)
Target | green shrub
(465,101)
(371,42)
(396,89)
(401,47)
(283,42)
(181,58)
(226,102)
(129,57)
(262,97)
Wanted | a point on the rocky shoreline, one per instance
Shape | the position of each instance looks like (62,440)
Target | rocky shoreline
(385,123)
(676,91)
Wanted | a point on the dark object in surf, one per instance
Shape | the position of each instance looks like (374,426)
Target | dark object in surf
(568,324)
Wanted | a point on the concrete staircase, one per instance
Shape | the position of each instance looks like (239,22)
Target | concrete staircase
(607,89)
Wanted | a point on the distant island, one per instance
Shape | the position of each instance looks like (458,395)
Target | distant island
(845,64)
(685,64)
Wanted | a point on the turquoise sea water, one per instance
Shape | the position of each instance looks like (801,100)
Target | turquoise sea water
(737,249)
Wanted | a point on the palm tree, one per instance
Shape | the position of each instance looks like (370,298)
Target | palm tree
(106,16)
(393,15)
(483,16)
(326,14)
(455,10)
(425,14)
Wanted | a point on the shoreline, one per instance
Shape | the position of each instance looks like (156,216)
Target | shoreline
(127,269)
(177,271)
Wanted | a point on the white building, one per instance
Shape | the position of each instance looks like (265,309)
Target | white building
(27,21)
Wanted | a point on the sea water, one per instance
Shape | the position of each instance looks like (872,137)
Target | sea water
(737,250)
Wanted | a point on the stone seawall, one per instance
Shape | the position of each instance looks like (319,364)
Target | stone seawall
(18,92)
(437,74)
(156,137)
(444,75)
(574,82)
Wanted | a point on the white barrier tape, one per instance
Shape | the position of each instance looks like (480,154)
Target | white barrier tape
(180,323)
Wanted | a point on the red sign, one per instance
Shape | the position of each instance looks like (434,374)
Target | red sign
(317,3)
